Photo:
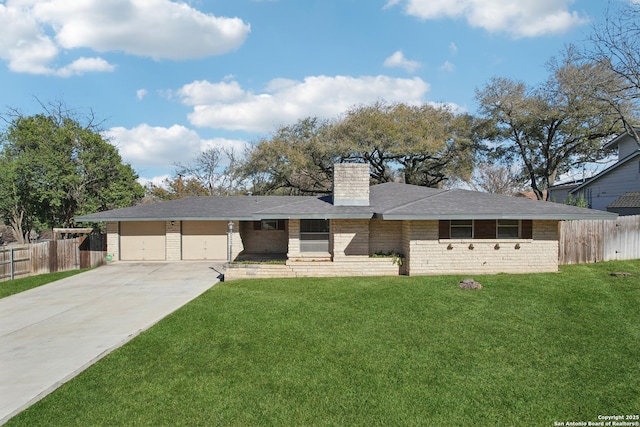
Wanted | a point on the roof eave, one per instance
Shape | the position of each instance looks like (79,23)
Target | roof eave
(256,217)
(559,217)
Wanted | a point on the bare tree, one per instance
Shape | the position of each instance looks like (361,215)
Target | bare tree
(616,47)
(500,179)
(216,169)
(205,169)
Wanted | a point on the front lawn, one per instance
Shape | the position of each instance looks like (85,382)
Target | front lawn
(527,350)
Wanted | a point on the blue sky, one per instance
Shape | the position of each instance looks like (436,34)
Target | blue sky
(172,78)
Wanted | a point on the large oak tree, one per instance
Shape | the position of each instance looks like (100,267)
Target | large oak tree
(553,127)
(423,145)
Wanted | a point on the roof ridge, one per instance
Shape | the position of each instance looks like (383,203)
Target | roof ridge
(404,205)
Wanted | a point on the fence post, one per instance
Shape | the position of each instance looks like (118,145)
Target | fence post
(11,264)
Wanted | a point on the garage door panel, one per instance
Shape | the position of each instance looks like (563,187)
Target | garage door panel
(142,241)
(203,240)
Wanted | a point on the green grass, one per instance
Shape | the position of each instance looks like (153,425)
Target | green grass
(10,287)
(527,350)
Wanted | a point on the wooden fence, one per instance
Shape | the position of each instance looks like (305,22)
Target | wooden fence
(595,241)
(54,255)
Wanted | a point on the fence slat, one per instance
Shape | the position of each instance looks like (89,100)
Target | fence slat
(585,241)
(51,256)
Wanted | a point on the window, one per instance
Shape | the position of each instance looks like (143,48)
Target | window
(486,229)
(508,229)
(269,224)
(462,229)
(314,235)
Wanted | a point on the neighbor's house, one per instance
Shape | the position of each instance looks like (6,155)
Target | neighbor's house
(612,189)
(432,231)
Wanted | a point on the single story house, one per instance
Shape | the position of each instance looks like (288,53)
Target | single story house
(604,190)
(420,230)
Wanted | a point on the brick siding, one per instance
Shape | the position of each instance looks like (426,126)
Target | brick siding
(351,184)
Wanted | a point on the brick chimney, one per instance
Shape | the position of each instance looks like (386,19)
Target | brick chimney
(351,184)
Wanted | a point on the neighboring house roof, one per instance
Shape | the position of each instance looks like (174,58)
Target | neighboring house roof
(387,201)
(615,141)
(567,185)
(627,200)
(610,169)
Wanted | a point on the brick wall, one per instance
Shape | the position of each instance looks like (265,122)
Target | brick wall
(385,236)
(350,238)
(237,244)
(351,184)
(294,238)
(113,240)
(296,268)
(173,241)
(263,241)
(428,255)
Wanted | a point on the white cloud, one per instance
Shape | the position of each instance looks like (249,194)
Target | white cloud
(34,32)
(448,67)
(147,146)
(226,105)
(156,181)
(83,65)
(524,18)
(150,147)
(398,60)
(203,92)
(453,49)
(141,93)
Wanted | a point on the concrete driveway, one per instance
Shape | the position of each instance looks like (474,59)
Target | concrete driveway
(50,334)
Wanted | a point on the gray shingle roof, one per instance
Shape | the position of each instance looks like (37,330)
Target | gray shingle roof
(387,201)
(627,200)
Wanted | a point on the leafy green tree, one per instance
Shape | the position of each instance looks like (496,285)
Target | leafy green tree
(55,168)
(175,188)
(550,128)
(424,145)
(297,159)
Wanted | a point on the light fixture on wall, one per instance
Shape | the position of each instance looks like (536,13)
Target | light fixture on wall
(173,223)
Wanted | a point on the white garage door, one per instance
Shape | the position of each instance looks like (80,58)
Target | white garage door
(142,241)
(204,240)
